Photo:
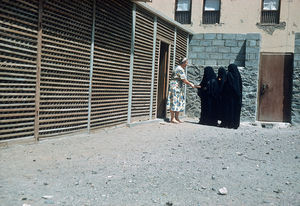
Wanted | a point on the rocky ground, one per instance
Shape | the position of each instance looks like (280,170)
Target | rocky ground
(156,164)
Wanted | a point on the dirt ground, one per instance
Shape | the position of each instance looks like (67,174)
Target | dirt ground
(156,164)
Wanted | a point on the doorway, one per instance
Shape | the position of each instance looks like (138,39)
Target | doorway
(275,87)
(162,80)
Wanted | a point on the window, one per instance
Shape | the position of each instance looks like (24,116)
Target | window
(183,11)
(270,11)
(211,12)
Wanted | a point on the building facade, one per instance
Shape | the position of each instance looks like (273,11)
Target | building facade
(260,36)
(277,23)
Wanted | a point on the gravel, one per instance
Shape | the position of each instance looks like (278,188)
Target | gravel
(156,164)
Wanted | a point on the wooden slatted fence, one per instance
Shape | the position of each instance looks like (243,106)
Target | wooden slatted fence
(110,83)
(181,44)
(142,67)
(66,42)
(18,48)
(45,65)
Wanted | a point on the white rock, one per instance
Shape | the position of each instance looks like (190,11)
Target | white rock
(223,191)
(47,196)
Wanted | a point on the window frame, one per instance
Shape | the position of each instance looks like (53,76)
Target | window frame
(217,14)
(178,13)
(264,13)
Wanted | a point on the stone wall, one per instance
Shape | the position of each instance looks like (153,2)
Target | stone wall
(296,82)
(220,50)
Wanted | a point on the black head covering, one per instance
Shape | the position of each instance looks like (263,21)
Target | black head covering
(221,77)
(208,75)
(209,82)
(234,80)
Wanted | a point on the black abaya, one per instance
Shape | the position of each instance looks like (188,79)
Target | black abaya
(208,94)
(233,88)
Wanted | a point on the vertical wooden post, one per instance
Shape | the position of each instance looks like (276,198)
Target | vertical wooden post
(153,66)
(131,63)
(186,72)
(91,67)
(175,39)
(38,71)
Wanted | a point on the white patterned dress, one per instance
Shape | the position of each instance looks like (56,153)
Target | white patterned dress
(176,101)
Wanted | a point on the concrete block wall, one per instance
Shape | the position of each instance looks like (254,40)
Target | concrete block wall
(220,50)
(296,82)
(217,49)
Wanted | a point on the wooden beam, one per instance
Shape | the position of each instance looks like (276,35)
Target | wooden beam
(38,71)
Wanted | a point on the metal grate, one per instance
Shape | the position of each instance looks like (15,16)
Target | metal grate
(155,79)
(64,86)
(181,44)
(18,47)
(142,67)
(110,82)
(270,17)
(211,17)
(183,17)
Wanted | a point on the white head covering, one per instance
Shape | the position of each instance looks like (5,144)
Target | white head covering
(183,60)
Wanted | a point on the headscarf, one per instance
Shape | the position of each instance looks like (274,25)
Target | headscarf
(208,75)
(209,82)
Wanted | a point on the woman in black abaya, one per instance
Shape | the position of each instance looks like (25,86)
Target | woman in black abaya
(234,101)
(208,92)
(221,96)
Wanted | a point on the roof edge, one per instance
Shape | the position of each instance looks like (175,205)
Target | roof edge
(164,17)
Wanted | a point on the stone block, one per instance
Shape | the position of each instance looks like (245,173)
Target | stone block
(216,56)
(218,42)
(211,49)
(254,50)
(229,56)
(296,57)
(198,36)
(241,37)
(297,42)
(236,50)
(210,62)
(251,43)
(203,55)
(253,36)
(224,49)
(210,36)
(297,35)
(251,56)
(195,42)
(193,55)
(297,50)
(197,49)
(205,43)
(219,36)
(296,64)
(230,43)
(229,36)
(198,62)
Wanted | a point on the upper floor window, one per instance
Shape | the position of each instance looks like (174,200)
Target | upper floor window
(270,11)
(211,12)
(183,11)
